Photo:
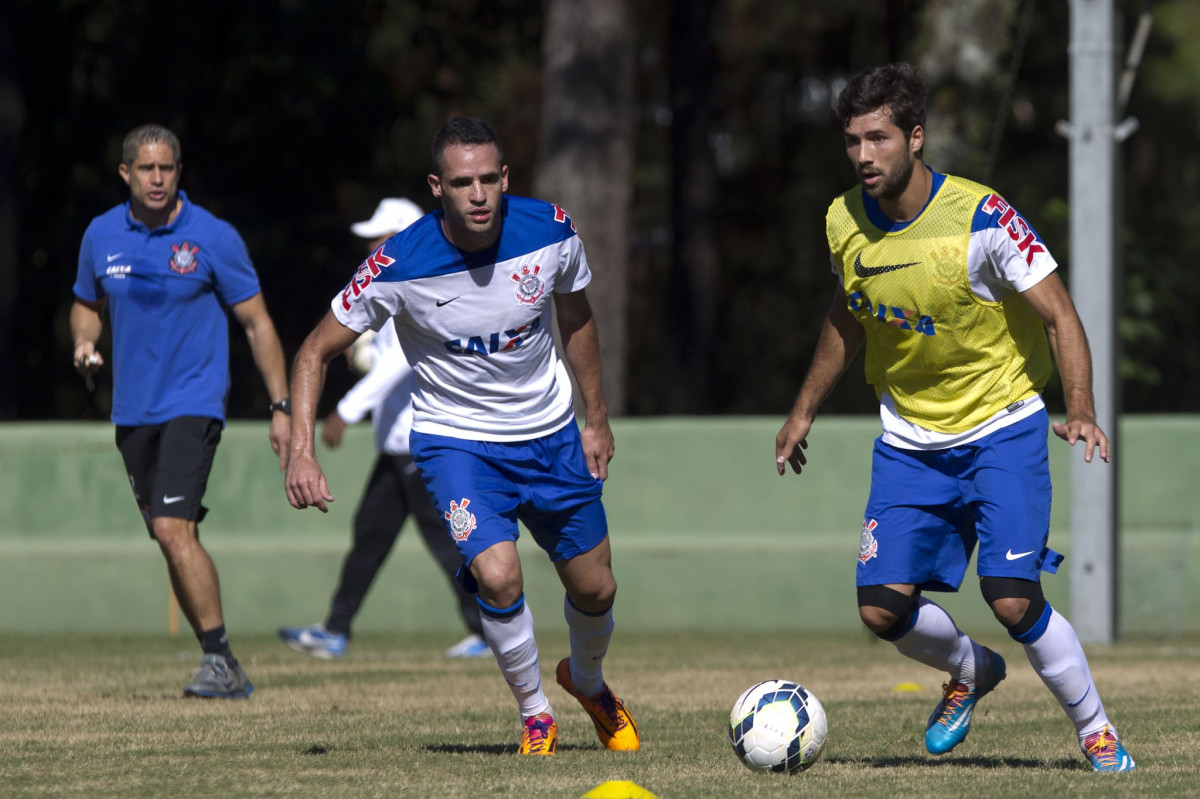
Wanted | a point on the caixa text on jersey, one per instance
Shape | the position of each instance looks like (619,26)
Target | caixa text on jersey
(891,315)
(492,343)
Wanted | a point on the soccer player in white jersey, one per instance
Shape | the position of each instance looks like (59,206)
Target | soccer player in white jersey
(471,288)
(953,294)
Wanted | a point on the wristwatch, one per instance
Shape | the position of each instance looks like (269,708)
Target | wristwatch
(284,405)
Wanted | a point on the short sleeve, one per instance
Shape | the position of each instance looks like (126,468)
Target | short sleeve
(234,273)
(1005,253)
(575,273)
(361,309)
(87,287)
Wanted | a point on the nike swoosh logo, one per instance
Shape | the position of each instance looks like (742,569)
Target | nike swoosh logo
(1085,693)
(440,303)
(1009,555)
(112,258)
(872,271)
(172,500)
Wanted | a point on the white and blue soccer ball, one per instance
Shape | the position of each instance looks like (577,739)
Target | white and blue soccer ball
(362,352)
(779,726)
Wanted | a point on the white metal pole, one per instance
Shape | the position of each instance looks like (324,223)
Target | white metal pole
(1094,226)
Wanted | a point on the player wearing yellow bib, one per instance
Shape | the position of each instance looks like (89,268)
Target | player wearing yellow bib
(956,300)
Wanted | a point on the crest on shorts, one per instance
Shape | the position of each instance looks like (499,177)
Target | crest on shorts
(462,521)
(530,286)
(183,260)
(868,547)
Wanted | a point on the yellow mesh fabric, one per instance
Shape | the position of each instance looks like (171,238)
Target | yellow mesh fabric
(949,359)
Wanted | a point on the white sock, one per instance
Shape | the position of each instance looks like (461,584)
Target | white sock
(1058,658)
(509,633)
(590,635)
(935,640)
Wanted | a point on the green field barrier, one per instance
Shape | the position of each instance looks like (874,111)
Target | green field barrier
(705,534)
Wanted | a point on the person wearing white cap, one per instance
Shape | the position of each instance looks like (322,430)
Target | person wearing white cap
(391,216)
(395,488)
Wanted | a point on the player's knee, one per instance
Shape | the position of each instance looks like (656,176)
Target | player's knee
(877,620)
(596,595)
(500,590)
(886,611)
(497,571)
(1009,610)
(1018,604)
(498,587)
(173,535)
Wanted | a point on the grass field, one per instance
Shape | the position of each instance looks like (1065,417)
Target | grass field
(103,716)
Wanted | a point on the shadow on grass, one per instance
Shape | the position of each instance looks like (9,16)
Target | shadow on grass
(1062,763)
(490,749)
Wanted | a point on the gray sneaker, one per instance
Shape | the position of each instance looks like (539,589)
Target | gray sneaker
(218,678)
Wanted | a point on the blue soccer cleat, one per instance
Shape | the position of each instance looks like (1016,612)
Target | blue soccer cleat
(315,640)
(473,646)
(951,719)
(1106,753)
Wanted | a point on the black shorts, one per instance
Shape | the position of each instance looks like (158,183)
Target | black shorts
(168,465)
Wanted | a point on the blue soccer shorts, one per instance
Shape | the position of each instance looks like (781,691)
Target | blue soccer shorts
(482,489)
(928,509)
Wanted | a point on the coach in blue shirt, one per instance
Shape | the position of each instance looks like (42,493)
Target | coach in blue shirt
(167,270)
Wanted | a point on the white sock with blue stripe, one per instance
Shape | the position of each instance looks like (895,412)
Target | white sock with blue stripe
(1058,658)
(509,632)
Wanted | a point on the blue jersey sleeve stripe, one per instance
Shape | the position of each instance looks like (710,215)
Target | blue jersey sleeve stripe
(995,212)
(982,220)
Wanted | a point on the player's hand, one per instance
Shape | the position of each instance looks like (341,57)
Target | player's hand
(598,448)
(305,484)
(790,443)
(87,360)
(333,429)
(1085,430)
(280,436)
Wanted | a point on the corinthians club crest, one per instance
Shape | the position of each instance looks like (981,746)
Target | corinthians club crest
(462,521)
(184,259)
(530,286)
(868,547)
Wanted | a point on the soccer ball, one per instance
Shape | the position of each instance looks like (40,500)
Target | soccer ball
(778,726)
(362,352)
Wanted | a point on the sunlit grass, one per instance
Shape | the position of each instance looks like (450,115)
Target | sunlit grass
(104,716)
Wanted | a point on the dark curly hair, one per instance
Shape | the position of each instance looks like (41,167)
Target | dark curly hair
(897,87)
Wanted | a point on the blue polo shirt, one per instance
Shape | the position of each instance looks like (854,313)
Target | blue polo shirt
(167,292)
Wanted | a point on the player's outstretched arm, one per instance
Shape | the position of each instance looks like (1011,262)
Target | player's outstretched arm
(581,346)
(305,482)
(86,327)
(252,315)
(1068,342)
(840,339)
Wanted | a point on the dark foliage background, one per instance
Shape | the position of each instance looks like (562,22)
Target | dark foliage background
(297,117)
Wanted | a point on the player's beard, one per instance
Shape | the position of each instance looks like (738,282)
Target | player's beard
(895,180)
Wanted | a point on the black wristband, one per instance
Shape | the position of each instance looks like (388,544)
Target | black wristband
(284,405)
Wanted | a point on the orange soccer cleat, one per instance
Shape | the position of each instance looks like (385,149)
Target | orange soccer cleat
(614,725)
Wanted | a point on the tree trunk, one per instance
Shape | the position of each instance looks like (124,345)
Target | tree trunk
(586,155)
(964,44)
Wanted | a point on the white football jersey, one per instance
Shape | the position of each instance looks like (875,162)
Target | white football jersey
(476,326)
